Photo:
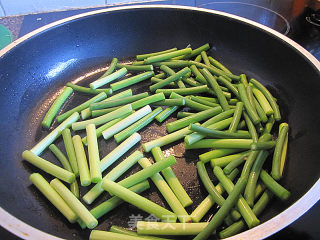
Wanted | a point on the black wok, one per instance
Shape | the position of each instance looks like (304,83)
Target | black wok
(34,68)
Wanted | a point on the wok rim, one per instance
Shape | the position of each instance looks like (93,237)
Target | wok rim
(266,229)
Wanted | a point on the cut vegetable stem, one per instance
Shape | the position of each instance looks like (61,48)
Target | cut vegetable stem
(178,124)
(48,167)
(54,134)
(172,179)
(109,78)
(138,201)
(84,173)
(168,194)
(81,211)
(82,106)
(53,110)
(119,151)
(169,138)
(125,133)
(104,118)
(113,175)
(111,131)
(93,152)
(51,194)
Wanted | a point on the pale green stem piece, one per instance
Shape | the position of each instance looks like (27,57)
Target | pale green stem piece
(195,137)
(113,76)
(52,136)
(131,80)
(103,235)
(82,106)
(147,172)
(104,127)
(119,151)
(110,204)
(208,202)
(167,193)
(53,110)
(108,133)
(103,119)
(171,229)
(66,165)
(48,167)
(93,152)
(138,201)
(200,116)
(169,138)
(141,57)
(172,179)
(115,173)
(125,133)
(46,189)
(84,173)
(68,144)
(117,229)
(74,204)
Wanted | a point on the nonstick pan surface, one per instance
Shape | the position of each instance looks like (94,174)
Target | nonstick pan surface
(34,69)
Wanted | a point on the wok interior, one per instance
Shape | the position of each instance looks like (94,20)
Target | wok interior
(34,71)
